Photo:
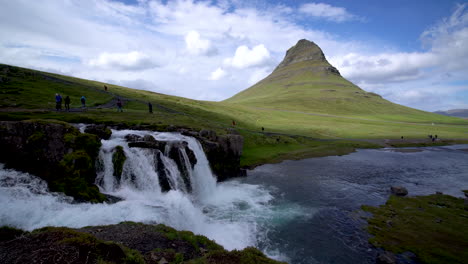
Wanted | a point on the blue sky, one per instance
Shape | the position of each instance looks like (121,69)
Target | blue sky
(413,53)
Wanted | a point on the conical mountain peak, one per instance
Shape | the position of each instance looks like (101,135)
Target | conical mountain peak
(304,50)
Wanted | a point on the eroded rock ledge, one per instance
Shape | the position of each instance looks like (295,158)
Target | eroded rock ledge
(55,151)
(127,242)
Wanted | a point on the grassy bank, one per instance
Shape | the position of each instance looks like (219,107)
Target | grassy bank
(434,227)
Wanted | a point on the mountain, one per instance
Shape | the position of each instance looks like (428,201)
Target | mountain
(306,81)
(463,113)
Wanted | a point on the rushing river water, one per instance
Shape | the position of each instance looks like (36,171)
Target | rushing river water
(298,211)
(327,193)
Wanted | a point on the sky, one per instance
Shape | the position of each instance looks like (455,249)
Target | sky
(411,52)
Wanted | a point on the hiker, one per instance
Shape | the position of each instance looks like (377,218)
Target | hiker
(233,123)
(67,103)
(58,102)
(150,107)
(83,101)
(119,106)
(263,129)
(105,88)
(435,136)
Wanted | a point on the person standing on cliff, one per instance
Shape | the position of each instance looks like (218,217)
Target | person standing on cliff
(67,103)
(83,101)
(119,105)
(58,102)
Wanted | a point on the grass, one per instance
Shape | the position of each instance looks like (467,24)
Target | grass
(434,227)
(289,102)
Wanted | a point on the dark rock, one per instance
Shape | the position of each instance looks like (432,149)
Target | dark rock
(161,145)
(224,155)
(399,190)
(332,70)
(111,199)
(99,130)
(162,172)
(9,233)
(232,131)
(304,50)
(177,149)
(190,133)
(60,245)
(133,138)
(118,160)
(147,238)
(386,258)
(208,134)
(56,152)
(149,138)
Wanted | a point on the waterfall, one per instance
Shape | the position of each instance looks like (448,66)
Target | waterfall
(146,166)
(152,188)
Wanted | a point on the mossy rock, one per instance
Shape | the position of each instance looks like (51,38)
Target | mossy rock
(9,233)
(118,160)
(65,245)
(248,255)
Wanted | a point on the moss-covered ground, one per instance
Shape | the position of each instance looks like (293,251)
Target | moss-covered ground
(92,245)
(434,227)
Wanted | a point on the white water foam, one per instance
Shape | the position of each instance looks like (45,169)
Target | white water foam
(230,213)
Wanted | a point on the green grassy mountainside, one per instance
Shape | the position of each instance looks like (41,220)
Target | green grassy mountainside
(305,107)
(305,81)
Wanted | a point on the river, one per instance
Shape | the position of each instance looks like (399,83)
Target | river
(326,194)
(298,211)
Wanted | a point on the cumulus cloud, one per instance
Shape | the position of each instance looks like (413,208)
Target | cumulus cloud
(217,74)
(245,57)
(327,12)
(145,45)
(198,46)
(446,54)
(131,61)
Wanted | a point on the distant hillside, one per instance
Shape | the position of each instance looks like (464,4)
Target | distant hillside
(306,81)
(463,113)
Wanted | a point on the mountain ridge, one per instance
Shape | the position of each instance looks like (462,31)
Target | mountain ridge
(305,81)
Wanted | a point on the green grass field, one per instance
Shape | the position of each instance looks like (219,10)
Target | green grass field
(303,121)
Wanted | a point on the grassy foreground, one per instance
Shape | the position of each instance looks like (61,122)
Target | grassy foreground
(434,227)
(294,132)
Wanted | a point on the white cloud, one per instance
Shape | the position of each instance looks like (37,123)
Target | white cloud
(131,61)
(145,45)
(198,46)
(418,79)
(245,57)
(217,74)
(327,12)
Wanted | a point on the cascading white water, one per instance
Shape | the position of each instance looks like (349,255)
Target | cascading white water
(228,212)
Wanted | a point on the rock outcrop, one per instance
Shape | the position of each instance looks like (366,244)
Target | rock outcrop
(178,151)
(306,50)
(223,152)
(127,242)
(55,151)
(399,190)
(101,131)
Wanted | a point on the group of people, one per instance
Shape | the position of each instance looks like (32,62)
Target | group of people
(59,99)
